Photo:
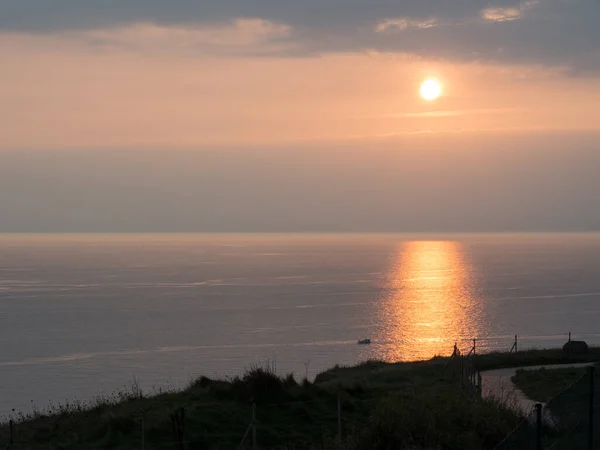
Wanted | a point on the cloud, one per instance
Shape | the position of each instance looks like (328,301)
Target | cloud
(456,112)
(500,14)
(473,130)
(402,24)
(239,35)
(531,32)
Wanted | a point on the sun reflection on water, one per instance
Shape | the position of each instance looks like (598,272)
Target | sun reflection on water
(430,302)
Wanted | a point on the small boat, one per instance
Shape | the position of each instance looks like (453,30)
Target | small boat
(364,341)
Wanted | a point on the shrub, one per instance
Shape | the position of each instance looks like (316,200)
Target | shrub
(262,384)
(453,420)
(290,381)
(399,423)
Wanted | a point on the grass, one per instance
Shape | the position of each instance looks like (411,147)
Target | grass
(489,361)
(543,384)
(568,402)
(383,406)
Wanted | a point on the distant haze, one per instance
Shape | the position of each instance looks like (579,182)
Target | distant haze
(299,116)
(487,184)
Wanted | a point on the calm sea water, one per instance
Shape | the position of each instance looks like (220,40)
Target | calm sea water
(83,315)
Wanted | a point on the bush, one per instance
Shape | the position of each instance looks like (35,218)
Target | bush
(399,423)
(262,384)
(204,382)
(424,421)
(224,390)
(290,381)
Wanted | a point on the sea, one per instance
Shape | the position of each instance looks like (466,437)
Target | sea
(87,315)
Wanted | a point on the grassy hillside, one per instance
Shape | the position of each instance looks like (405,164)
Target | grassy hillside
(382,406)
(489,361)
(542,385)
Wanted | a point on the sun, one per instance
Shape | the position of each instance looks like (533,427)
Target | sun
(431,89)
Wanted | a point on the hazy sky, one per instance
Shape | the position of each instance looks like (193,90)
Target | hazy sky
(286,115)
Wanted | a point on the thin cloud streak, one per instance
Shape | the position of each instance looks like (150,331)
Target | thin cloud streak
(240,36)
(497,14)
(454,113)
(396,25)
(400,133)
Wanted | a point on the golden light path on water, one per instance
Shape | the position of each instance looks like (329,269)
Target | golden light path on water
(431,302)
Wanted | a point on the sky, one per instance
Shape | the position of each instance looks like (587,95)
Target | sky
(280,115)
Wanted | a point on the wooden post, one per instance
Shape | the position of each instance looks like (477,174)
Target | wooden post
(339,417)
(591,413)
(254,425)
(183,441)
(178,422)
(538,415)
(516,343)
(474,346)
(10,429)
(569,336)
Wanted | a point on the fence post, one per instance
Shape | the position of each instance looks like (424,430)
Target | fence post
(516,343)
(569,336)
(591,418)
(254,425)
(10,440)
(479,386)
(339,417)
(474,346)
(143,433)
(183,440)
(538,420)
(178,422)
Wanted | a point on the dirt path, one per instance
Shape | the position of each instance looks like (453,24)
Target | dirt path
(497,384)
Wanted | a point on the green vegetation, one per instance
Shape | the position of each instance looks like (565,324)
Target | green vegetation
(383,406)
(569,406)
(543,384)
(489,361)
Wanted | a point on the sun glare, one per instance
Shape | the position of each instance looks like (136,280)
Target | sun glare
(431,89)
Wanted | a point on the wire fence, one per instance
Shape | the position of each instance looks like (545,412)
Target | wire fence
(524,436)
(566,422)
(523,342)
(269,425)
(461,367)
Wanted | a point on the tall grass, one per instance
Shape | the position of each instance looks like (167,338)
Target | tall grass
(382,405)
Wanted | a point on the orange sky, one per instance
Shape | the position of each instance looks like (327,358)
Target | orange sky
(142,86)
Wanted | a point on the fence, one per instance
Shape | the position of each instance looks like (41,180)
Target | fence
(566,422)
(293,415)
(328,419)
(523,342)
(461,367)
